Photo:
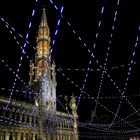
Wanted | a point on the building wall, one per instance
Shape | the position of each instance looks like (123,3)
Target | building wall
(18,124)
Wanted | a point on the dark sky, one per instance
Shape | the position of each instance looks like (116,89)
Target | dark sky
(70,53)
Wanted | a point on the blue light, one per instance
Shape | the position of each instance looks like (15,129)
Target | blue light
(56,32)
(23,52)
(56,7)
(133,53)
(51,1)
(137,38)
(58,22)
(51,51)
(53,42)
(27,35)
(97,35)
(62,8)
(132,61)
(118,2)
(30,24)
(24,47)
(33,12)
(114,18)
(94,45)
(99,24)
(116,13)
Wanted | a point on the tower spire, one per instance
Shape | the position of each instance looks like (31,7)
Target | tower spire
(44,19)
(43,48)
(44,69)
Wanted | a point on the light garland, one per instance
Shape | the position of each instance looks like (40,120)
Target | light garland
(91,54)
(107,55)
(126,82)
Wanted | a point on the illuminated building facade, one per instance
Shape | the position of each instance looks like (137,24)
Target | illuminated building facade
(41,120)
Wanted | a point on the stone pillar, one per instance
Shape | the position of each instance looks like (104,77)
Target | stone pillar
(64,136)
(57,135)
(19,135)
(13,135)
(3,134)
(33,136)
(60,135)
(69,136)
(24,136)
(7,135)
(49,136)
(0,134)
(30,120)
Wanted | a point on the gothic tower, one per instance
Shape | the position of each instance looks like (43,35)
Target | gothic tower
(44,69)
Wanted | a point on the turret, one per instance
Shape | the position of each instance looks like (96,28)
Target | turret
(75,116)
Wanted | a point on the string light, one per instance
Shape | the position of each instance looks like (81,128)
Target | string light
(106,58)
(11,29)
(130,115)
(13,72)
(94,98)
(113,132)
(126,82)
(56,32)
(104,107)
(77,69)
(91,54)
(68,23)
(16,90)
(122,66)
(68,79)
(22,54)
(104,97)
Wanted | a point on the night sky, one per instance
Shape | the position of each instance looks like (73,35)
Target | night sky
(72,56)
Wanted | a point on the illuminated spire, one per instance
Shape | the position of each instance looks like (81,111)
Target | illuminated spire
(43,47)
(43,38)
(44,69)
